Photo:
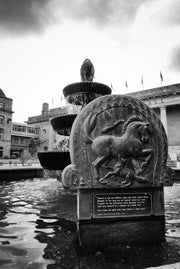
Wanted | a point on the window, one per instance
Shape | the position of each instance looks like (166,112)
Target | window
(19,128)
(2,105)
(1,152)
(1,119)
(14,139)
(32,130)
(23,141)
(1,134)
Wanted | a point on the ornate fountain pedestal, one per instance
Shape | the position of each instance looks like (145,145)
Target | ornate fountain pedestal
(118,150)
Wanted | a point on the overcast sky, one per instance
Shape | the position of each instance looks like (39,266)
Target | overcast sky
(44,42)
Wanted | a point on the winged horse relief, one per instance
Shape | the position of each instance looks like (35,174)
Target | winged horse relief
(131,144)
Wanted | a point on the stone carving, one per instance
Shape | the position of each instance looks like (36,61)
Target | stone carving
(129,145)
(169,176)
(87,71)
(71,177)
(118,141)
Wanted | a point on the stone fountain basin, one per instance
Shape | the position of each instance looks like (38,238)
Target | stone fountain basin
(81,93)
(62,124)
(92,87)
(54,160)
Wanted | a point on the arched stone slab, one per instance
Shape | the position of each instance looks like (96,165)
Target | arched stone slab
(107,151)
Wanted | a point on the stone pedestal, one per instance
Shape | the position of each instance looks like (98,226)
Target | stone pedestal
(110,217)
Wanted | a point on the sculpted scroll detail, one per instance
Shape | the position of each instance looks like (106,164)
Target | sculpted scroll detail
(71,178)
(132,144)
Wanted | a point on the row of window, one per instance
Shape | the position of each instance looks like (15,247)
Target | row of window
(25,129)
(19,140)
(19,128)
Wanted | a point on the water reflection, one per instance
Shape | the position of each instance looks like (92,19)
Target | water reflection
(21,206)
(37,230)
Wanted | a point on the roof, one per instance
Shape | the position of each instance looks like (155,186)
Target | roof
(159,91)
(2,93)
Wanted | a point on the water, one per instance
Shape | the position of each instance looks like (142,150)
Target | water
(37,231)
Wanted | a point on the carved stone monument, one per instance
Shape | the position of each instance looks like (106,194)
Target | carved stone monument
(118,149)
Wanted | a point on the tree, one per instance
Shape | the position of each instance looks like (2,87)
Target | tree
(34,143)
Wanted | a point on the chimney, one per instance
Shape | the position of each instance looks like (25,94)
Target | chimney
(45,108)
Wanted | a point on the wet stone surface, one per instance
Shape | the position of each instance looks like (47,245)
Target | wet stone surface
(37,230)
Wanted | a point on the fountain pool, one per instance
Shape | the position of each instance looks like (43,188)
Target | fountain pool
(37,230)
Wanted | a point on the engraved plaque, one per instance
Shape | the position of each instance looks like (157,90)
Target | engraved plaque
(122,205)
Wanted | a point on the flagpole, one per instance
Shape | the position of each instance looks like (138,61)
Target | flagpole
(161,78)
(126,85)
(112,88)
(142,82)
(52,102)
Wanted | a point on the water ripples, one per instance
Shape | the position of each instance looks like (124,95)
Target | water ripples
(21,224)
(35,215)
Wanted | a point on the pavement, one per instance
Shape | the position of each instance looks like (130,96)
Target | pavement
(19,165)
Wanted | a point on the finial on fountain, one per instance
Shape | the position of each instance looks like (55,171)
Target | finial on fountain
(87,71)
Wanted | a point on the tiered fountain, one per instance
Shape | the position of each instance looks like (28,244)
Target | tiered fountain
(78,94)
(118,151)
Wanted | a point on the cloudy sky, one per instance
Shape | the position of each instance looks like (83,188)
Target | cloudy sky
(44,42)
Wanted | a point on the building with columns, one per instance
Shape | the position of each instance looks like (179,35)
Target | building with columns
(14,137)
(165,101)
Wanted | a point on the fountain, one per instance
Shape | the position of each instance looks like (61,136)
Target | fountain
(117,177)
(118,152)
(79,95)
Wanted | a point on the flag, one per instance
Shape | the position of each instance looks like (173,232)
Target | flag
(161,76)
(126,84)
(112,87)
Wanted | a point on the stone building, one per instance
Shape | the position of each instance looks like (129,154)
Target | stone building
(166,103)
(164,100)
(5,124)
(21,134)
(49,138)
(15,137)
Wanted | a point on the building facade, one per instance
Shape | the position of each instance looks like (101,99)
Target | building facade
(5,124)
(165,101)
(37,127)
(48,137)
(21,134)
(15,137)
